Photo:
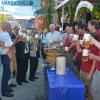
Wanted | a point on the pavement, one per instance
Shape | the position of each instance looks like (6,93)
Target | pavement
(32,90)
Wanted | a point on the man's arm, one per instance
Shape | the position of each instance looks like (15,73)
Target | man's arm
(92,56)
(95,42)
(92,70)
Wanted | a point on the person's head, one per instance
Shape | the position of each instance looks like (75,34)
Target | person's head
(76,28)
(93,25)
(45,31)
(52,27)
(81,29)
(6,27)
(69,29)
(35,30)
(16,29)
(29,31)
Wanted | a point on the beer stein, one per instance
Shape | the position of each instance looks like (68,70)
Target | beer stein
(75,38)
(81,42)
(85,55)
(86,40)
(36,36)
(24,35)
(71,36)
(61,44)
(67,49)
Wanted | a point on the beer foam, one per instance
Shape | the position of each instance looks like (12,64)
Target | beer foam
(86,37)
(66,48)
(85,52)
(75,37)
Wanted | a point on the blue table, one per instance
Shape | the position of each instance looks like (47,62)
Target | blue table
(66,87)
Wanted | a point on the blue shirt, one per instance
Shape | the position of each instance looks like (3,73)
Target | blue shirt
(5,37)
(43,38)
(54,36)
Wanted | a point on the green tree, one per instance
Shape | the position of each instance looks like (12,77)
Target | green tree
(46,11)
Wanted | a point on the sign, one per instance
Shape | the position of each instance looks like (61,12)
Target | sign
(34,3)
(21,7)
(83,4)
(17,3)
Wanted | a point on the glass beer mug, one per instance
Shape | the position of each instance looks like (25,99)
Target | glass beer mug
(86,40)
(67,49)
(85,55)
(75,38)
(61,44)
(36,36)
(81,42)
(71,37)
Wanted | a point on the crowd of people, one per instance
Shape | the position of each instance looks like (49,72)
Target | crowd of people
(16,53)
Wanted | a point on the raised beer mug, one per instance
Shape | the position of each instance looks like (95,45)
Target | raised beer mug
(36,36)
(75,38)
(85,55)
(86,40)
(67,49)
(71,36)
(61,43)
(81,42)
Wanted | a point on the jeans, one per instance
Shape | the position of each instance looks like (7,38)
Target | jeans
(6,73)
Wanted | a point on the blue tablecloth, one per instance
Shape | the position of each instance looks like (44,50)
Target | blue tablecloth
(66,87)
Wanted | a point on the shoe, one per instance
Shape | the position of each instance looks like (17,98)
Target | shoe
(13,74)
(12,85)
(19,83)
(8,95)
(25,81)
(31,79)
(35,77)
(10,89)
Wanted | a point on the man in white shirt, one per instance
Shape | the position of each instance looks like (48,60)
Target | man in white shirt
(5,37)
(54,36)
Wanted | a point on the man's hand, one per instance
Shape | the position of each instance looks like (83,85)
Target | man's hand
(89,77)
(3,45)
(92,40)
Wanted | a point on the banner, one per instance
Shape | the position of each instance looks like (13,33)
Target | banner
(83,4)
(21,7)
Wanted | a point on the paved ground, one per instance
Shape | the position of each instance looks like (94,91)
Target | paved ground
(30,91)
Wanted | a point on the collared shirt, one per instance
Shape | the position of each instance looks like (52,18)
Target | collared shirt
(54,36)
(5,37)
(33,47)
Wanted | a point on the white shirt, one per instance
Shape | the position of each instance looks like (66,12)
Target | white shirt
(54,36)
(26,48)
(5,37)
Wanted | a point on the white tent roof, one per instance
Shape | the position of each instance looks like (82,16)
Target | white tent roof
(60,5)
